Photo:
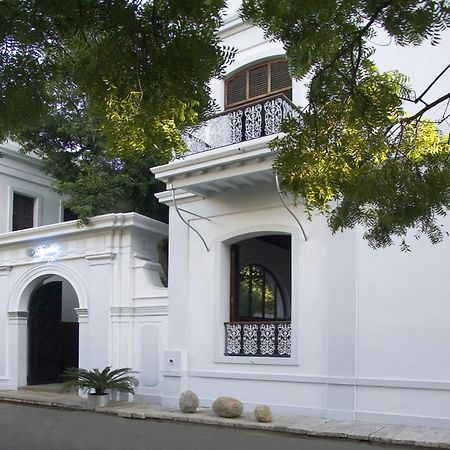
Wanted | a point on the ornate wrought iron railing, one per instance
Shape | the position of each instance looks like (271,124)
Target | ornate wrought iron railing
(258,339)
(247,122)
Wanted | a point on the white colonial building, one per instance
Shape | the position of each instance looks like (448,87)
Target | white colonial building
(269,307)
(262,304)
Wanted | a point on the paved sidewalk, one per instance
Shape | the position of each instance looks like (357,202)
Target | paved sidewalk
(302,425)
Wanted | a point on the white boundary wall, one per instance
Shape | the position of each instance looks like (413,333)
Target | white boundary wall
(113,267)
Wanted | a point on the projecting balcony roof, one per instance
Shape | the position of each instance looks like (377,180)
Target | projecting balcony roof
(229,150)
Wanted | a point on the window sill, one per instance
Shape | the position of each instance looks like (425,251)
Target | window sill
(257,360)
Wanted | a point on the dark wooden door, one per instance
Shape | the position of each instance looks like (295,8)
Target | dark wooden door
(44,334)
(69,345)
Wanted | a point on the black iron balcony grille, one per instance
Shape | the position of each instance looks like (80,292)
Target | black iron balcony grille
(250,121)
(269,339)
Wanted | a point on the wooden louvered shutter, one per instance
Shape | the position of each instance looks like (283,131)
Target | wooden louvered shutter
(237,89)
(280,78)
(258,81)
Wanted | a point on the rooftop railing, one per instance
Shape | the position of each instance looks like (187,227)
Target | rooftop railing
(247,122)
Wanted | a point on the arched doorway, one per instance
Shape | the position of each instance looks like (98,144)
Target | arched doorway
(53,337)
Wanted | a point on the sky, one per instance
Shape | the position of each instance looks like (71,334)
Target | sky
(421,64)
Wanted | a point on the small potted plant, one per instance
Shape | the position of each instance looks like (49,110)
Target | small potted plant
(95,382)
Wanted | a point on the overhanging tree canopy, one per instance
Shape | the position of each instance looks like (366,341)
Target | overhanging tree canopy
(355,155)
(100,89)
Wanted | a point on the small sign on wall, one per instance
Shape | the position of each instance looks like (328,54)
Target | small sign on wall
(45,252)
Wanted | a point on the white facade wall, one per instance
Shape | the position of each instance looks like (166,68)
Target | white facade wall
(370,327)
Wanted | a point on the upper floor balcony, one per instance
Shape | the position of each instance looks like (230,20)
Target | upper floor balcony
(230,150)
(244,123)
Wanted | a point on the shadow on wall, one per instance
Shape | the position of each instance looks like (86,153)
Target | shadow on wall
(163,257)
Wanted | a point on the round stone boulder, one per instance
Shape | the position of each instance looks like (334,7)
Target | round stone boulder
(227,407)
(263,414)
(188,402)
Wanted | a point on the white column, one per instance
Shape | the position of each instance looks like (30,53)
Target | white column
(5,286)
(175,358)
(342,316)
(18,348)
(83,338)
(101,285)
(122,334)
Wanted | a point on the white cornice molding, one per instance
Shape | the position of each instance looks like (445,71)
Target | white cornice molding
(131,311)
(12,151)
(18,315)
(232,24)
(121,311)
(222,157)
(98,224)
(81,312)
(32,174)
(100,259)
(181,195)
(325,380)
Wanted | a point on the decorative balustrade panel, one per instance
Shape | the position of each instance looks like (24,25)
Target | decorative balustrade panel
(248,122)
(258,339)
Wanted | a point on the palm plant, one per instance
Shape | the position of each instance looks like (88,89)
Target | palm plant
(121,380)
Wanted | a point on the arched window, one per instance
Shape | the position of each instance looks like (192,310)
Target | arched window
(258,82)
(260,295)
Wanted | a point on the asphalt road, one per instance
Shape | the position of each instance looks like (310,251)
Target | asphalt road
(37,428)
